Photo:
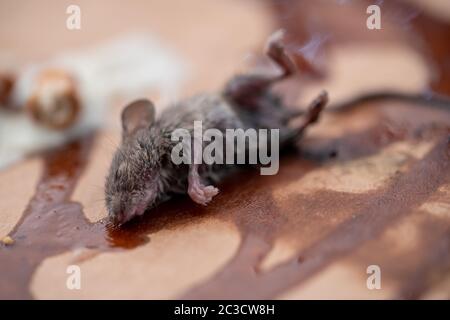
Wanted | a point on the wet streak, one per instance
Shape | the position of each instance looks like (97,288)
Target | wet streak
(413,253)
(300,223)
(425,33)
(238,278)
(381,209)
(51,224)
(302,218)
(428,273)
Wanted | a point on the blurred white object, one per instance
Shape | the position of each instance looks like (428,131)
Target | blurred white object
(128,67)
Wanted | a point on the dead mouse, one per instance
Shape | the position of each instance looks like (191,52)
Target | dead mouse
(142,174)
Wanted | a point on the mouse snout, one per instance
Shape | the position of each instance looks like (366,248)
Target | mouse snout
(125,206)
(123,209)
(118,218)
(117,211)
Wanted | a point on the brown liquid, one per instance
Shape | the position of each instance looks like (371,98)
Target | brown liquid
(325,226)
(51,223)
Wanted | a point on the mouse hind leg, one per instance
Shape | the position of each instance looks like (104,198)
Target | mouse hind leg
(288,135)
(249,90)
(197,191)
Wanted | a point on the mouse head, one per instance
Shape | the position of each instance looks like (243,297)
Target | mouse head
(132,184)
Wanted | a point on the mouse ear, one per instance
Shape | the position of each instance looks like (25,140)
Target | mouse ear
(137,115)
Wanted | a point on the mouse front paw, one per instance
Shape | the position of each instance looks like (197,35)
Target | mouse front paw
(202,194)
